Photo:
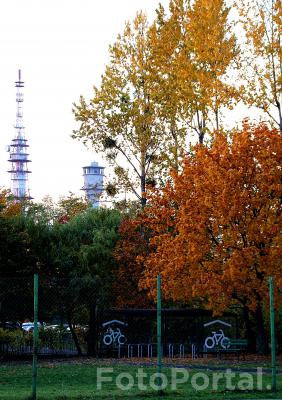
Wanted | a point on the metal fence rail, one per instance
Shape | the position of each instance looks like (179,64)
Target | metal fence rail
(149,350)
(58,348)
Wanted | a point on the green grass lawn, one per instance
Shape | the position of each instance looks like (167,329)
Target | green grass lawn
(78,380)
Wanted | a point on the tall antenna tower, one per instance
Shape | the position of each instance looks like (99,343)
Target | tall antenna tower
(18,150)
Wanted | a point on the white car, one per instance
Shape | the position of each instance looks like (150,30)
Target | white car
(57,327)
(29,326)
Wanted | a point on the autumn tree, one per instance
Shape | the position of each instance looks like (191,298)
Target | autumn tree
(262,21)
(166,35)
(8,205)
(45,211)
(162,81)
(71,205)
(48,211)
(195,52)
(218,226)
(213,50)
(120,120)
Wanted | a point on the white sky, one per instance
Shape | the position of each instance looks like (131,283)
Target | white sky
(61,46)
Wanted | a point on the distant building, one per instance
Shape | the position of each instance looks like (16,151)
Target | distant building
(93,176)
(18,150)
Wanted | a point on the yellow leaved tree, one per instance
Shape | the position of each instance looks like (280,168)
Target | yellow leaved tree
(202,53)
(121,120)
(262,21)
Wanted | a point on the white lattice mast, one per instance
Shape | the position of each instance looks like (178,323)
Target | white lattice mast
(18,150)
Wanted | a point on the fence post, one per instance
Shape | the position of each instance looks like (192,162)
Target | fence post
(35,339)
(159,332)
(272,334)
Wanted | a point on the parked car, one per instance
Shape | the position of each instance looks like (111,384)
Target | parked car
(10,325)
(64,327)
(29,326)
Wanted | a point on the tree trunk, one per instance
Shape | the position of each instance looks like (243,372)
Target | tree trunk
(261,335)
(176,146)
(92,337)
(75,338)
(201,137)
(143,187)
(280,120)
(250,334)
(217,119)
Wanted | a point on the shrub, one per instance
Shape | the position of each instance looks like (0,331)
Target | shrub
(13,338)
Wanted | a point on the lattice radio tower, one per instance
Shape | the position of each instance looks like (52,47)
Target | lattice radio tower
(18,150)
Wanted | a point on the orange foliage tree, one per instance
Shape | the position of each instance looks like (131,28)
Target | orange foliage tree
(8,206)
(217,226)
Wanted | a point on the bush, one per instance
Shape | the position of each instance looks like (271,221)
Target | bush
(51,336)
(13,338)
